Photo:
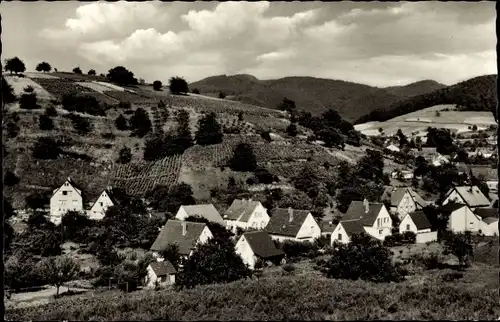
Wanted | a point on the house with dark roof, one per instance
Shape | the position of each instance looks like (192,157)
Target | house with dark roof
(207,211)
(418,223)
(469,195)
(489,220)
(461,217)
(403,200)
(246,213)
(103,202)
(293,224)
(258,245)
(363,216)
(68,197)
(160,273)
(185,234)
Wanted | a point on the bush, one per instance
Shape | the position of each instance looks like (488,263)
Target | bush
(29,89)
(77,70)
(178,85)
(108,135)
(195,91)
(125,155)
(74,102)
(46,148)
(45,123)
(288,269)
(294,249)
(12,129)
(157,85)
(80,124)
(121,123)
(408,237)
(266,135)
(453,276)
(10,179)
(50,111)
(28,101)
(264,176)
(243,158)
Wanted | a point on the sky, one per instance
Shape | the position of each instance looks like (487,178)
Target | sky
(375,43)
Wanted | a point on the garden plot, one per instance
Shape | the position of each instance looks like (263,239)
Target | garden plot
(19,83)
(40,75)
(111,87)
(95,86)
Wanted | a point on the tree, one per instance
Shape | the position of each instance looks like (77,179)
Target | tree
(77,70)
(371,166)
(287,105)
(243,158)
(10,179)
(91,72)
(75,102)
(80,124)
(14,65)
(171,253)
(74,226)
(460,245)
(125,155)
(45,123)
(157,85)
(212,263)
(221,234)
(28,101)
(178,85)
(12,129)
(59,270)
(209,130)
(163,198)
(37,200)
(292,130)
(240,117)
(331,137)
(46,148)
(222,95)
(121,123)
(7,93)
(296,200)
(140,124)
(195,91)
(43,67)
(121,76)
(266,135)
(50,111)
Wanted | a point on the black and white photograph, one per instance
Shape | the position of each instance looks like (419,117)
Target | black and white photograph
(249,161)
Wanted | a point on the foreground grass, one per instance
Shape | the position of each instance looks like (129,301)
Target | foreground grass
(306,297)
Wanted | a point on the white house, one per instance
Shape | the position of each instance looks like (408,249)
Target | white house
(402,174)
(462,218)
(372,218)
(345,230)
(292,224)
(469,195)
(489,220)
(65,198)
(418,223)
(256,245)
(393,148)
(185,234)
(206,211)
(103,202)
(439,160)
(403,200)
(160,273)
(246,214)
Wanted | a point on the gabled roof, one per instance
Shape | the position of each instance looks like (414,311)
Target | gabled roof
(241,210)
(163,268)
(261,244)
(420,220)
(352,227)
(452,206)
(356,211)
(472,196)
(72,183)
(280,223)
(486,212)
(326,227)
(207,211)
(490,220)
(171,233)
(109,193)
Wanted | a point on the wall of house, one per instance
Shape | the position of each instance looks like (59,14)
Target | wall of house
(243,249)
(381,228)
(234,224)
(310,229)
(425,237)
(489,230)
(152,280)
(406,206)
(339,230)
(403,226)
(455,197)
(181,214)
(492,185)
(464,220)
(205,235)
(259,218)
(61,203)
(98,210)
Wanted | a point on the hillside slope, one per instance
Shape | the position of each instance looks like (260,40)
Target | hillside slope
(476,94)
(315,95)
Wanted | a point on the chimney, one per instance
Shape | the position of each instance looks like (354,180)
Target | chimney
(290,214)
(184,228)
(367,205)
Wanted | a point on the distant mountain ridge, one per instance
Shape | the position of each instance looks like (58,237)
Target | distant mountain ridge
(316,95)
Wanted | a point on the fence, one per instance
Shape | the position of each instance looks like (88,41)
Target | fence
(426,237)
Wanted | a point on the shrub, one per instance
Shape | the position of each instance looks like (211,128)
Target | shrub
(294,249)
(266,135)
(45,123)
(209,130)
(288,269)
(222,95)
(28,101)
(12,129)
(195,91)
(450,277)
(178,85)
(125,155)
(121,123)
(74,102)
(264,176)
(139,123)
(10,179)
(243,158)
(91,72)
(157,85)
(408,237)
(77,70)
(46,148)
(460,245)
(108,135)
(80,124)
(50,111)
(29,89)
(292,130)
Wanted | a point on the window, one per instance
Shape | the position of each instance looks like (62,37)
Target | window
(263,224)
(65,193)
(100,203)
(378,221)
(380,232)
(408,227)
(339,237)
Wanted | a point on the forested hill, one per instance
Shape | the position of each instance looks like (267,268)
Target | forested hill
(475,94)
(315,95)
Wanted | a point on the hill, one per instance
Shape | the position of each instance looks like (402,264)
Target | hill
(475,94)
(315,95)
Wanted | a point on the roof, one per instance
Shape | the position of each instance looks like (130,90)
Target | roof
(356,211)
(241,210)
(280,223)
(172,233)
(326,227)
(488,173)
(207,211)
(395,195)
(486,212)
(420,220)
(72,183)
(490,220)
(261,244)
(352,227)
(452,206)
(163,268)
(472,196)
(109,193)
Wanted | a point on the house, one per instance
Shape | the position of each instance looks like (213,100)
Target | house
(393,148)
(206,211)
(293,224)
(374,218)
(418,223)
(403,200)
(327,228)
(402,174)
(258,245)
(439,160)
(246,214)
(461,218)
(65,198)
(344,231)
(103,202)
(185,234)
(489,218)
(160,273)
(469,195)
